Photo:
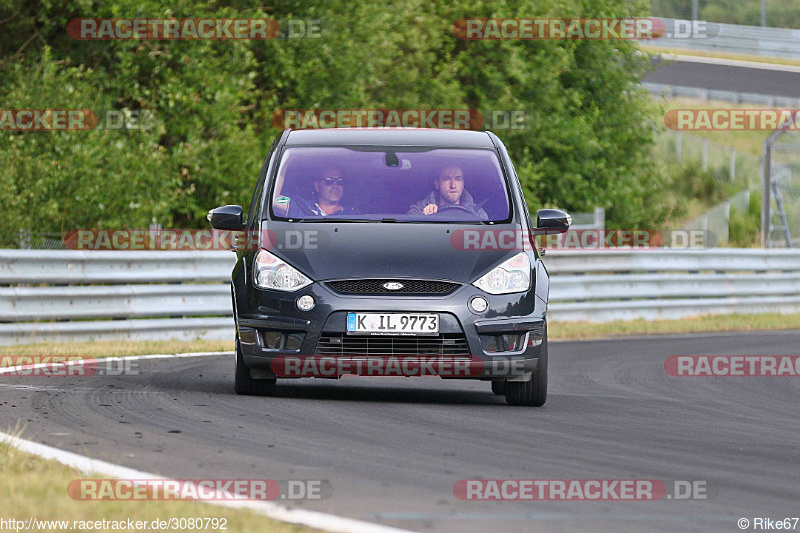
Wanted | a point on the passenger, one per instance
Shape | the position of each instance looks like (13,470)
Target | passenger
(328,193)
(448,189)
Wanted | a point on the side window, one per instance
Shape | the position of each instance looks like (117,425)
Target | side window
(251,214)
(254,203)
(531,227)
(518,185)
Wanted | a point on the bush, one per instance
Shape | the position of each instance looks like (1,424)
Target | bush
(587,142)
(744,229)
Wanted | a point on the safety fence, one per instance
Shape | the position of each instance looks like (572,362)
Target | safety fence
(74,295)
(729,38)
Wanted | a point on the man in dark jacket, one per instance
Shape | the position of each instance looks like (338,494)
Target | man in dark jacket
(448,189)
(327,198)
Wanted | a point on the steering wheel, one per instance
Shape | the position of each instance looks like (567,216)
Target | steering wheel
(459,212)
(456,206)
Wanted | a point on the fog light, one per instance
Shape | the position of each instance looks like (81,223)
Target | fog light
(305,303)
(479,304)
(272,339)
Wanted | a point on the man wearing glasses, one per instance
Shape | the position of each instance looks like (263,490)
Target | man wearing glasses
(328,192)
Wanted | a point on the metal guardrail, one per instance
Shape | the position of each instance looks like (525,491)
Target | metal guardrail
(732,39)
(77,295)
(78,267)
(668,284)
(677,91)
(69,295)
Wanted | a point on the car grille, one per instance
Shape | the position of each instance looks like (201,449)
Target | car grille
(410,286)
(340,344)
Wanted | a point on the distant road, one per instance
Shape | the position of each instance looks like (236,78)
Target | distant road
(727,75)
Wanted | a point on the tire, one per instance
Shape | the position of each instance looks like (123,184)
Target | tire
(244,382)
(534,391)
(498,386)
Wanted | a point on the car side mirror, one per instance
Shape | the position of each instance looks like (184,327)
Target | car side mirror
(550,221)
(227,217)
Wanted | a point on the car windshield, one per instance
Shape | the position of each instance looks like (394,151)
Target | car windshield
(398,184)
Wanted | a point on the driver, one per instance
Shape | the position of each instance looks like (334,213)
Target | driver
(448,189)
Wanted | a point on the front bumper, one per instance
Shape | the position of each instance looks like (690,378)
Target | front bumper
(271,327)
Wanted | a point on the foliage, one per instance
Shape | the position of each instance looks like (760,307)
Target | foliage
(587,140)
(744,229)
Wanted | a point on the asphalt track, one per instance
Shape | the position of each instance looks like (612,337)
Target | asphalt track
(769,80)
(392,448)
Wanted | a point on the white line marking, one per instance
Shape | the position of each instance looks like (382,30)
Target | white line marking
(314,519)
(731,62)
(14,369)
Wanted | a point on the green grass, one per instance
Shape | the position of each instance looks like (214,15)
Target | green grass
(702,324)
(557,330)
(745,142)
(32,487)
(692,190)
(721,55)
(116,348)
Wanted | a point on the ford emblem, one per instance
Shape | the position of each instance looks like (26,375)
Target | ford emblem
(392,286)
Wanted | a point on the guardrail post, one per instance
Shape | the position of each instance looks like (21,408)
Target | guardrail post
(705,154)
(766,180)
(600,218)
(25,238)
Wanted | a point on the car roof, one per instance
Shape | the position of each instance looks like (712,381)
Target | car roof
(390,137)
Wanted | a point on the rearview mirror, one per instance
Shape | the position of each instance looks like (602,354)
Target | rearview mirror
(227,217)
(550,221)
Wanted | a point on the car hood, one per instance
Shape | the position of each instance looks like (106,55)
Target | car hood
(331,250)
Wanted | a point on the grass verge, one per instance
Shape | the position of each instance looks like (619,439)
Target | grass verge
(33,487)
(116,348)
(744,141)
(721,55)
(701,324)
(557,330)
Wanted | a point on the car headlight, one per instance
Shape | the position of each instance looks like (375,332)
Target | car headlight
(271,272)
(513,275)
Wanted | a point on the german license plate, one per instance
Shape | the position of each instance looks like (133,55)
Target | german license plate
(392,324)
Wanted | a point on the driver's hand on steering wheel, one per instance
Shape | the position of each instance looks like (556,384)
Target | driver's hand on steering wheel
(430,209)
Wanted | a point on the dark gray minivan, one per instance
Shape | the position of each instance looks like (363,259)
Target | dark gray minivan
(390,251)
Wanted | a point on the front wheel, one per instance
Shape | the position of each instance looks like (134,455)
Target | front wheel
(534,391)
(498,386)
(244,382)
